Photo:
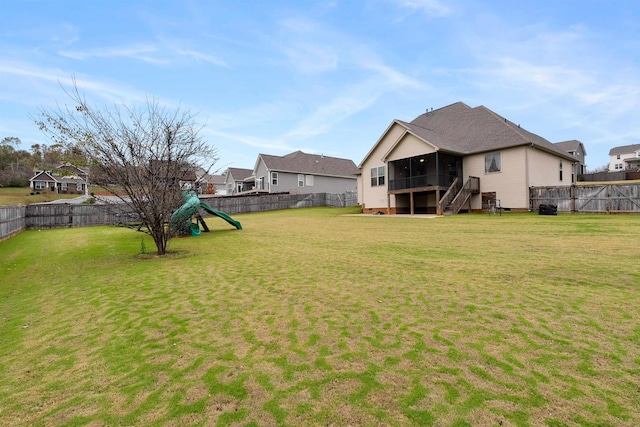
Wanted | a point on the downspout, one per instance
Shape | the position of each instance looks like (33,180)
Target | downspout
(526,174)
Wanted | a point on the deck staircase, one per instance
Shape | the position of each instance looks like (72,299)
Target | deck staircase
(456,196)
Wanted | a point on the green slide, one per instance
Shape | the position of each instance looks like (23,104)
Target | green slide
(181,219)
(222,215)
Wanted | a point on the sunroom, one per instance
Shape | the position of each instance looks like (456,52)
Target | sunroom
(417,183)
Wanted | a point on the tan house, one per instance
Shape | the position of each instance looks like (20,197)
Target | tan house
(458,158)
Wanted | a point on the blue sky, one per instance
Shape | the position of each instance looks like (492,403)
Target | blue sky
(329,76)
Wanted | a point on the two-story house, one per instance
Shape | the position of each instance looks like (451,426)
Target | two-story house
(455,158)
(625,157)
(577,150)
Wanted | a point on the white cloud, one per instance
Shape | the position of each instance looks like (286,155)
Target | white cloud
(148,53)
(141,52)
(433,8)
(25,75)
(202,57)
(312,59)
(250,140)
(549,79)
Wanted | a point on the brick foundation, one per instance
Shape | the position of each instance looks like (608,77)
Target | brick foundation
(376,210)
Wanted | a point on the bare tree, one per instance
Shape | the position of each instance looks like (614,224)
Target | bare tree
(139,155)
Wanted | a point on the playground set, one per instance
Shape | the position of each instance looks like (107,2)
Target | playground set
(181,219)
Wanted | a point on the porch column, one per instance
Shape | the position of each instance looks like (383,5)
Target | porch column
(438,207)
(388,203)
(411,198)
(437,169)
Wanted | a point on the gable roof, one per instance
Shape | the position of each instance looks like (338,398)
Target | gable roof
(72,168)
(215,179)
(624,149)
(571,145)
(312,164)
(43,176)
(239,174)
(462,130)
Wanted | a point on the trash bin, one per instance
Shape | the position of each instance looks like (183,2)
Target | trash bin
(547,209)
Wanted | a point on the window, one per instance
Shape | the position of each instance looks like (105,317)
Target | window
(40,185)
(377,176)
(492,163)
(300,180)
(309,180)
(274,178)
(560,170)
(618,157)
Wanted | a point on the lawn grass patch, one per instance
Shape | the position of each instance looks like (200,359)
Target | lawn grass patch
(10,196)
(311,317)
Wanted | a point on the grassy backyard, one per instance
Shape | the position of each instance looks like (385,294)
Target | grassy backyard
(311,317)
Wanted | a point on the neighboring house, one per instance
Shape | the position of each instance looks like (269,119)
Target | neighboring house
(216,183)
(203,183)
(56,181)
(43,181)
(69,169)
(304,173)
(238,180)
(626,157)
(577,150)
(456,157)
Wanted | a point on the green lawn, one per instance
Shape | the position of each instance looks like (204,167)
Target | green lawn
(310,317)
(22,196)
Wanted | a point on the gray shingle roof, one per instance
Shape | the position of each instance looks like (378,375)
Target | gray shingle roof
(215,179)
(313,164)
(239,174)
(460,129)
(571,145)
(624,149)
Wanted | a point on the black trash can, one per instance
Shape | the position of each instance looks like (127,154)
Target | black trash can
(547,209)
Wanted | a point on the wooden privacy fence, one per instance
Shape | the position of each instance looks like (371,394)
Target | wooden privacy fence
(598,198)
(68,215)
(41,216)
(12,220)
(248,204)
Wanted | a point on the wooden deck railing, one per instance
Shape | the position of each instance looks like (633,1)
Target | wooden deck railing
(448,196)
(470,187)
